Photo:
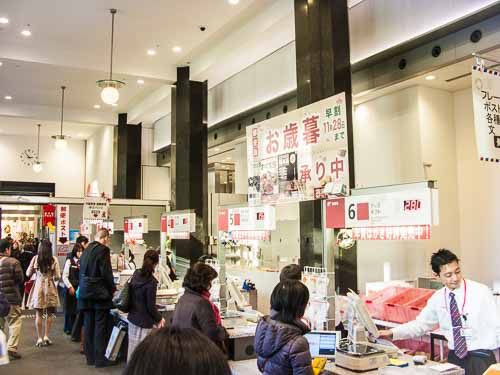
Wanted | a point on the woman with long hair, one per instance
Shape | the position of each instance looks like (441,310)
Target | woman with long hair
(143,314)
(71,279)
(43,296)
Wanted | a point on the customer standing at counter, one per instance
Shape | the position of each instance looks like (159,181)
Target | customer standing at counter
(466,313)
(95,300)
(194,309)
(143,314)
(280,344)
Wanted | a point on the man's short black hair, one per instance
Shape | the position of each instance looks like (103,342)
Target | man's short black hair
(441,258)
(291,272)
(4,245)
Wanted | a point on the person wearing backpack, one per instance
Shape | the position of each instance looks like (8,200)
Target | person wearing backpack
(11,275)
(143,314)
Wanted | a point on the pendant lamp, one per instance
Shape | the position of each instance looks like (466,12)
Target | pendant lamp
(110,93)
(61,139)
(37,167)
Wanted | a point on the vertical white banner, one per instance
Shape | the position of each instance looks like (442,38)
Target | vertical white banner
(62,221)
(486,100)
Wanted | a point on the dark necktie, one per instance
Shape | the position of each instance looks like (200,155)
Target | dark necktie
(456,323)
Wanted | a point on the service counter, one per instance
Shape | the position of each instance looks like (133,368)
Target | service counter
(249,367)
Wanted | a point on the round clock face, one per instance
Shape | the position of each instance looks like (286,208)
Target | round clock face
(28,157)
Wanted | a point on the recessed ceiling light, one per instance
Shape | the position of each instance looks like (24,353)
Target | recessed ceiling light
(176,49)
(430,78)
(97,106)
(7,97)
(151,52)
(140,82)
(234,2)
(1,63)
(26,32)
(4,20)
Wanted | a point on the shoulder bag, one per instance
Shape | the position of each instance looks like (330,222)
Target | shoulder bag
(122,299)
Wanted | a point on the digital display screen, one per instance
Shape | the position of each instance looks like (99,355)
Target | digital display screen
(322,344)
(412,205)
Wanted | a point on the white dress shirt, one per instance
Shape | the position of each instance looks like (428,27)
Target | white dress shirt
(474,300)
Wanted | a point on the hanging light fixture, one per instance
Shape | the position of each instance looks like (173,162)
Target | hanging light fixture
(61,139)
(37,167)
(109,93)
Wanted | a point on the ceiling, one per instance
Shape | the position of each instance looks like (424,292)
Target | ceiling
(451,78)
(70,45)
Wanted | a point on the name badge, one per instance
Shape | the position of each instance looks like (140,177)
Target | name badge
(466,332)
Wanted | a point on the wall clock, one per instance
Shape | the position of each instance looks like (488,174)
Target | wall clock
(28,157)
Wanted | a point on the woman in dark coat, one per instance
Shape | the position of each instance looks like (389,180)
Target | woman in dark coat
(280,344)
(143,314)
(194,309)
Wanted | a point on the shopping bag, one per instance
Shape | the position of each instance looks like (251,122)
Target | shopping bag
(4,354)
(115,342)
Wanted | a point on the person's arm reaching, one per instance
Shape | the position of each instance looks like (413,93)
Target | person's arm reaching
(31,267)
(425,322)
(65,275)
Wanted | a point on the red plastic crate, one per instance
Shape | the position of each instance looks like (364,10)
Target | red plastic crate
(397,308)
(375,302)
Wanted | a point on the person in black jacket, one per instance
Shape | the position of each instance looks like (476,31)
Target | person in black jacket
(143,314)
(96,298)
(194,309)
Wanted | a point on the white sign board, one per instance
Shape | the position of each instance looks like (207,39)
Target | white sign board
(252,219)
(486,99)
(95,209)
(399,208)
(135,227)
(181,223)
(293,156)
(62,221)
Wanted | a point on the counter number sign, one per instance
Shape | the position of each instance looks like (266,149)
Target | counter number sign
(359,211)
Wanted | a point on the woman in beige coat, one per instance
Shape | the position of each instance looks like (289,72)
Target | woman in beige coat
(43,296)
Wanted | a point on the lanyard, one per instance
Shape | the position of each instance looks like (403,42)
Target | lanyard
(465,298)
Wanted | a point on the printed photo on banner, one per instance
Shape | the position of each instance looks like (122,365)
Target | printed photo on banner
(299,155)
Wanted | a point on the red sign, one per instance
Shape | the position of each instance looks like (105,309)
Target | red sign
(49,214)
(125,226)
(335,213)
(164,224)
(223,220)
(398,233)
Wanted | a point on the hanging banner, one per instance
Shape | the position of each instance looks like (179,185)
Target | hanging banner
(62,223)
(299,155)
(49,215)
(247,219)
(486,100)
(96,209)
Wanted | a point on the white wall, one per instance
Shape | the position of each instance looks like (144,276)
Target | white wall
(155,180)
(99,159)
(393,136)
(64,168)
(478,187)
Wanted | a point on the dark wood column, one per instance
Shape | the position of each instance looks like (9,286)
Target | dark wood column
(189,156)
(323,70)
(128,154)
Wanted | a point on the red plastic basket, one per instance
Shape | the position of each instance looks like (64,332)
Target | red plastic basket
(397,308)
(375,302)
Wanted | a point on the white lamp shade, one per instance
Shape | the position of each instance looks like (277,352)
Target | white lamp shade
(61,144)
(37,167)
(110,95)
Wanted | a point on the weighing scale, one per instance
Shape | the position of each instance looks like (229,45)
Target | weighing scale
(360,357)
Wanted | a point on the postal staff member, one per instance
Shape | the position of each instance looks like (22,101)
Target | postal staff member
(465,312)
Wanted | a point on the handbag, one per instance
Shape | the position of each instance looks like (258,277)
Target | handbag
(122,299)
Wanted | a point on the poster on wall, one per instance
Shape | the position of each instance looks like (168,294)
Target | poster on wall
(96,209)
(62,223)
(49,215)
(293,157)
(486,102)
